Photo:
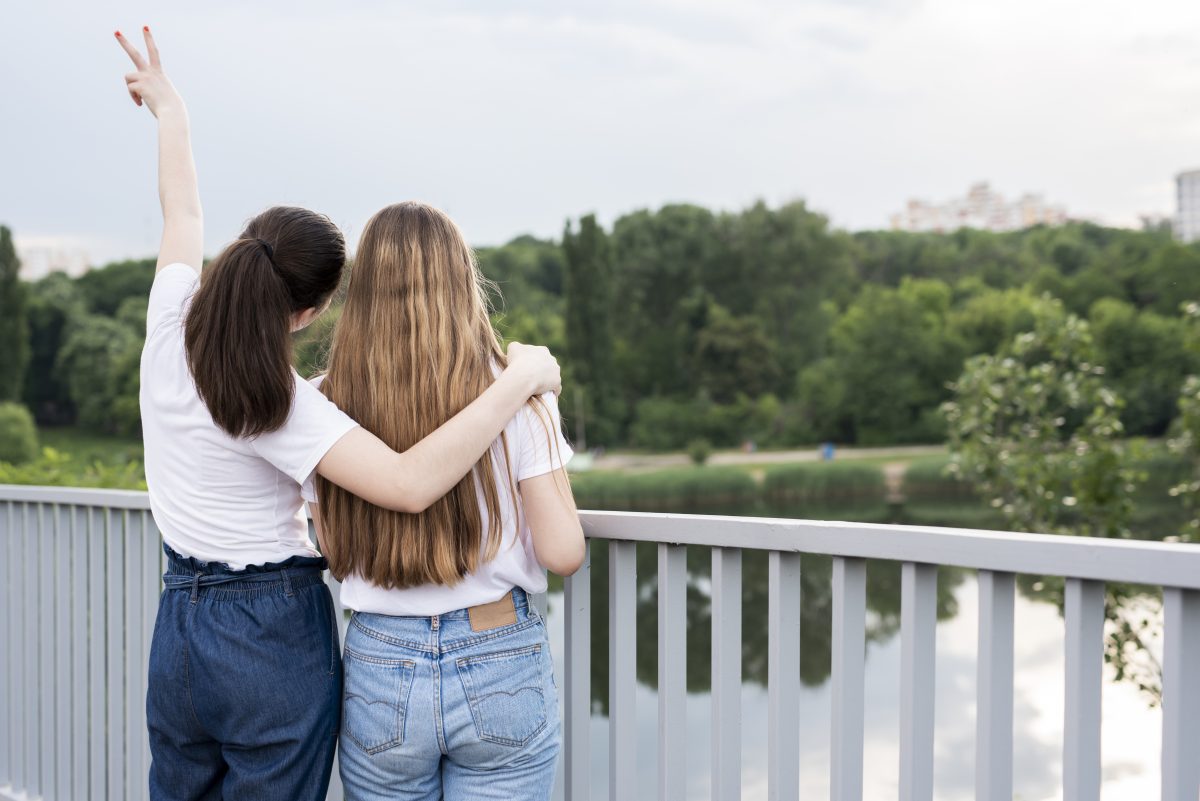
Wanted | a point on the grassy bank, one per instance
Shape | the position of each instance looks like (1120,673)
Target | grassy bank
(683,489)
(71,457)
(833,481)
(699,489)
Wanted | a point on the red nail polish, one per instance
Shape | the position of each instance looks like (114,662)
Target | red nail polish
(117,34)
(146,28)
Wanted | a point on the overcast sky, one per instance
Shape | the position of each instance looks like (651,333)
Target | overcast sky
(516,115)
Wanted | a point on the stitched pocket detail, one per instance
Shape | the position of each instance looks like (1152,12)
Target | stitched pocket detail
(504,691)
(375,700)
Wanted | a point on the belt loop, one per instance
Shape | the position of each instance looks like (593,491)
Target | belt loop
(195,587)
(287,583)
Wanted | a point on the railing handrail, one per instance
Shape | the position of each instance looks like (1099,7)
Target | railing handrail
(79,496)
(1166,564)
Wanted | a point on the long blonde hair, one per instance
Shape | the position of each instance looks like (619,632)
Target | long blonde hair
(414,346)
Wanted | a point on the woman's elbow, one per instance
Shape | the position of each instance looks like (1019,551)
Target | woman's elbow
(569,559)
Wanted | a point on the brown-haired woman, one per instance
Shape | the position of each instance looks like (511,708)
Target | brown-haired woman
(449,689)
(245,676)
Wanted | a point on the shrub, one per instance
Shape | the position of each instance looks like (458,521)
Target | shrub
(823,480)
(699,450)
(930,478)
(18,434)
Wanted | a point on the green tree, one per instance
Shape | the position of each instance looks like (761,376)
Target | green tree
(588,290)
(1146,359)
(98,363)
(658,260)
(892,357)
(1185,440)
(528,273)
(14,326)
(1035,429)
(55,305)
(779,266)
(105,288)
(734,355)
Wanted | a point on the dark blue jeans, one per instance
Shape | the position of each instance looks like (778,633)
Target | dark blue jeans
(244,694)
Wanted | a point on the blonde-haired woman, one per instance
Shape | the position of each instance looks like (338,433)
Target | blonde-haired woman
(449,689)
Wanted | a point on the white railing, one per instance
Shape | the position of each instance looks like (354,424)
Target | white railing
(79,589)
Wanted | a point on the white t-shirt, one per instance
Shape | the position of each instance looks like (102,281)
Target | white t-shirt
(515,565)
(215,497)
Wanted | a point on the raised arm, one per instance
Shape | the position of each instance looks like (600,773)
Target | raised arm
(411,481)
(183,219)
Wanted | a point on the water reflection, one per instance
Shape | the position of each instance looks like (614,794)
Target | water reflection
(815,612)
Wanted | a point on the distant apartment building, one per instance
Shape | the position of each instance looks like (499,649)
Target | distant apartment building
(38,261)
(1187,215)
(981,208)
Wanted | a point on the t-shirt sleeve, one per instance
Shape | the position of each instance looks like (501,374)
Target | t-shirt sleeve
(313,427)
(544,449)
(308,487)
(169,294)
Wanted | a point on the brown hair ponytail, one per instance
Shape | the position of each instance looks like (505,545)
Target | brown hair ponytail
(238,329)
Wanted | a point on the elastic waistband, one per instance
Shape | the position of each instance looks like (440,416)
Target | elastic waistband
(188,573)
(179,564)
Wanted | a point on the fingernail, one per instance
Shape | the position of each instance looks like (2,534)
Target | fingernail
(117,34)
(146,28)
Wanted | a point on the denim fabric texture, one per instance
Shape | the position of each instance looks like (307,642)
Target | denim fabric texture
(433,709)
(244,693)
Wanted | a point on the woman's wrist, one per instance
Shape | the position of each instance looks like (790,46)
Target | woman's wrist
(172,113)
(520,379)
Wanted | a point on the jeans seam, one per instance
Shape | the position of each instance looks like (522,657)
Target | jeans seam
(333,637)
(495,634)
(187,665)
(379,635)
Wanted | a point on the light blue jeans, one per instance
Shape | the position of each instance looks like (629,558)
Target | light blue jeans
(432,709)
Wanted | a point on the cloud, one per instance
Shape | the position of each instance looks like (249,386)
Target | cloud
(516,116)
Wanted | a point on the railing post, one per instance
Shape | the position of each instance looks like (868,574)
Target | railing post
(726,674)
(783,677)
(115,657)
(98,631)
(1083,614)
(64,643)
(994,710)
(8,634)
(27,778)
(847,678)
(1180,694)
(622,670)
(672,672)
(44,644)
(918,644)
(79,653)
(577,680)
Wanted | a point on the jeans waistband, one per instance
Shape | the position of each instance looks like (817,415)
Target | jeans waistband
(189,573)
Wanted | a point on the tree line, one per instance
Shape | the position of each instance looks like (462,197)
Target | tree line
(683,324)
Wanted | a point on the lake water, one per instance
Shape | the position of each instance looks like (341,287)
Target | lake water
(1131,733)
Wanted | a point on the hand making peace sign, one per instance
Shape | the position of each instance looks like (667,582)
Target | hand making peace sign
(149,84)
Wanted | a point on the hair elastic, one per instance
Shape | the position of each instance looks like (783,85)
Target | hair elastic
(270,251)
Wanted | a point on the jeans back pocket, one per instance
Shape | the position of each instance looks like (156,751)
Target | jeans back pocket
(375,700)
(504,691)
